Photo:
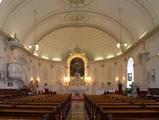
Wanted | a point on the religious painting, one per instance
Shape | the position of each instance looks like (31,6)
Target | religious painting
(129,76)
(151,75)
(77,67)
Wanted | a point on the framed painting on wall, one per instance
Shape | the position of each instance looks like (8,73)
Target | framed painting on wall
(129,76)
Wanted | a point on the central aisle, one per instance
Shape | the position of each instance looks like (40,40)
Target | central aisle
(77,111)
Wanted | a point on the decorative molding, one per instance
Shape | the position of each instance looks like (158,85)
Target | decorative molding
(90,14)
(76,17)
(39,64)
(51,66)
(77,3)
(143,56)
(115,63)
(102,65)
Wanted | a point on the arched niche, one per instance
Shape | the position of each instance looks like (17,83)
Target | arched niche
(74,57)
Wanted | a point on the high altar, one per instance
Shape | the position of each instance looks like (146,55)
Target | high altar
(77,86)
(77,72)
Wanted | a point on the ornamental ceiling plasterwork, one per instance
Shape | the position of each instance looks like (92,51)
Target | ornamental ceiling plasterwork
(77,3)
(93,25)
(76,17)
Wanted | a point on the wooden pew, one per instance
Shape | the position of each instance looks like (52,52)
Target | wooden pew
(130,113)
(54,107)
(108,108)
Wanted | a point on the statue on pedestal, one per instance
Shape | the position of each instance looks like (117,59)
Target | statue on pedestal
(133,89)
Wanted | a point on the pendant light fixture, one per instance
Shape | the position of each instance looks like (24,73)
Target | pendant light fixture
(35,39)
(119,43)
(34,46)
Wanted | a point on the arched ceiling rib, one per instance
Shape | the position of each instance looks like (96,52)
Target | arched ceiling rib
(56,21)
(66,38)
(102,16)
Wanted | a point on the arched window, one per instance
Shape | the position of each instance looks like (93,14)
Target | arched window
(130,72)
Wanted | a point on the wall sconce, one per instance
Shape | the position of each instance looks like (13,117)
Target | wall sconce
(38,79)
(116,78)
(88,80)
(31,79)
(123,79)
(66,81)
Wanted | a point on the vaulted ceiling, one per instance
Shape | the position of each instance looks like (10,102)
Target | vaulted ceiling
(95,26)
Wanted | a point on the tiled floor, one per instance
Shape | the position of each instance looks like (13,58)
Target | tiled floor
(77,111)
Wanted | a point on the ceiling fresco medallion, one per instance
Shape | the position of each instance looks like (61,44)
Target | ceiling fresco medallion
(78,3)
(76,17)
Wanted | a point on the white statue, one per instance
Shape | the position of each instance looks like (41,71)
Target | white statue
(133,89)
(77,75)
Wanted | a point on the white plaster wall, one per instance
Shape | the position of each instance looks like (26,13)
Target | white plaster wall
(152,45)
(117,66)
(101,72)
(142,66)
(3,66)
(107,71)
(46,71)
(2,55)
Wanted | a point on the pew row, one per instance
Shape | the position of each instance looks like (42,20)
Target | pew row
(54,107)
(110,108)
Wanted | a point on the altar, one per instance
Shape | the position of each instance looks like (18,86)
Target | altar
(77,72)
(77,90)
(77,85)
